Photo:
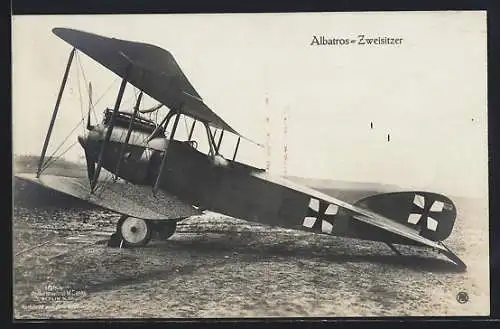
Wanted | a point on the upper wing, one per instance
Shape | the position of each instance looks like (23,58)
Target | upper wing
(153,70)
(132,200)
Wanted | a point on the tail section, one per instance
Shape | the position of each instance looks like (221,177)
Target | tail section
(433,215)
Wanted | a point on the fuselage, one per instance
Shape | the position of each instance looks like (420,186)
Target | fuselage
(210,182)
(213,183)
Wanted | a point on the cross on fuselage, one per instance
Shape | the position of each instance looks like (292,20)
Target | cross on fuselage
(320,215)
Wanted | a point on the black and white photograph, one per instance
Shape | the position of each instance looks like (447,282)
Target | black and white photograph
(250,165)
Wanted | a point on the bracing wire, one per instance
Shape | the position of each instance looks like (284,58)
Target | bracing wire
(50,160)
(98,100)
(106,91)
(54,159)
(86,83)
(103,184)
(80,94)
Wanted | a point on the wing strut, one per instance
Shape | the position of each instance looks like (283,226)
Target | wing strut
(172,133)
(54,114)
(237,146)
(211,140)
(110,129)
(220,141)
(129,132)
(192,130)
(163,125)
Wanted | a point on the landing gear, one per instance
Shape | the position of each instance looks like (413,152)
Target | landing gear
(134,231)
(137,232)
(131,232)
(165,229)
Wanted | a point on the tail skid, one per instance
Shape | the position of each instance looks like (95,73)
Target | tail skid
(461,267)
(453,257)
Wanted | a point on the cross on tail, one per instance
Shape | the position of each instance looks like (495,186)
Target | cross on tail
(425,211)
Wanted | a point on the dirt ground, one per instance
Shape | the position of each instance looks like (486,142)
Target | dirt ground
(215,266)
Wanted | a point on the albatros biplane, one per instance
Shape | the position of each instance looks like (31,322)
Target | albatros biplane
(168,180)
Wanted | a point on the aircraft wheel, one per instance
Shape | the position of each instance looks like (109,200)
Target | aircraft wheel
(133,231)
(166,229)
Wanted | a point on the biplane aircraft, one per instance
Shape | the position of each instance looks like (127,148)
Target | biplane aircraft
(169,180)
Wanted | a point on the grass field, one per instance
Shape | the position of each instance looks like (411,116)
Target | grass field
(216,266)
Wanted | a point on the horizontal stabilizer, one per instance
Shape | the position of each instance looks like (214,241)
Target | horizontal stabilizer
(359,214)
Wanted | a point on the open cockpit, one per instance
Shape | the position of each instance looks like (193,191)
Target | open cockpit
(138,146)
(122,119)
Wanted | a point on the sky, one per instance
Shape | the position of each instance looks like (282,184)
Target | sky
(310,106)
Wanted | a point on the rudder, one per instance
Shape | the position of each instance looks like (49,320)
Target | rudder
(432,214)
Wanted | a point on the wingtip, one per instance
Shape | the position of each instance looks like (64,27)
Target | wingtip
(58,30)
(64,31)
(61,31)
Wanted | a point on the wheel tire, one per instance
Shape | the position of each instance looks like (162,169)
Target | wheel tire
(166,229)
(134,232)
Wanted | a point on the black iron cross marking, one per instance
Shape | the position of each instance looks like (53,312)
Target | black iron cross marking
(320,216)
(424,211)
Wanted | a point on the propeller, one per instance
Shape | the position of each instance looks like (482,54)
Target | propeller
(89,157)
(89,126)
(91,161)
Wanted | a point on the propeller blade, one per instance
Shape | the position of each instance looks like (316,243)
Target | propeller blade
(91,161)
(89,126)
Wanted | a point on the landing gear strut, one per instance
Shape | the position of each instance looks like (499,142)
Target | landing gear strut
(165,229)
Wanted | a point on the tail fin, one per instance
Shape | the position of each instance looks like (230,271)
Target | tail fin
(430,213)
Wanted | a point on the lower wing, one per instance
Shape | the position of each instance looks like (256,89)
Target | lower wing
(123,198)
